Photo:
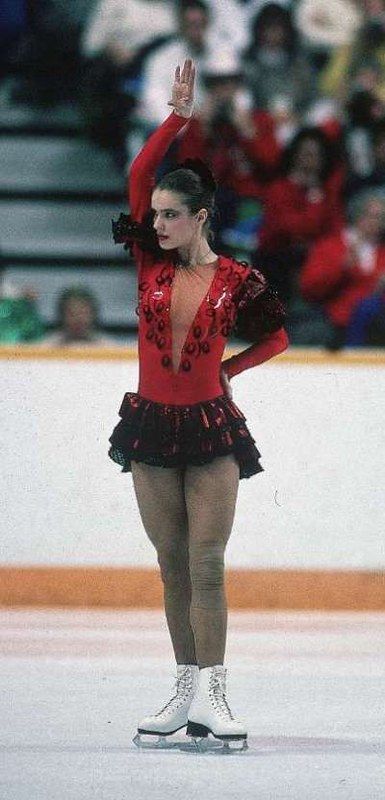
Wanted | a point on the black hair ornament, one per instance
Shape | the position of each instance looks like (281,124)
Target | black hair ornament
(201,169)
(128,232)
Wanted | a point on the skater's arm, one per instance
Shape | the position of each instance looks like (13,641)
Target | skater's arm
(142,173)
(256,354)
(141,180)
(135,230)
(260,318)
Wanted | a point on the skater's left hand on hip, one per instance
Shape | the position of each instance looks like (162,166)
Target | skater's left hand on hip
(227,390)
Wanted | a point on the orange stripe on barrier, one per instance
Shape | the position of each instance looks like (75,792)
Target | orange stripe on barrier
(33,352)
(133,587)
(294,355)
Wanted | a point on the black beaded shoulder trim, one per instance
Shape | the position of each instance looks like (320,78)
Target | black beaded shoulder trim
(260,312)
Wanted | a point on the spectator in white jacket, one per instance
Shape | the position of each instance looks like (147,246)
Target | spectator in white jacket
(120,28)
(190,42)
(231,22)
(325,24)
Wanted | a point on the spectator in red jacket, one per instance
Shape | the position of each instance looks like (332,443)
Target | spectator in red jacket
(346,267)
(301,207)
(239,142)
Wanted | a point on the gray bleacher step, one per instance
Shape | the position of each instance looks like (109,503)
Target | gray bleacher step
(20,117)
(76,229)
(55,165)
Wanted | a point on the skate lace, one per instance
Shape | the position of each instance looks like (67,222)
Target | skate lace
(217,695)
(183,687)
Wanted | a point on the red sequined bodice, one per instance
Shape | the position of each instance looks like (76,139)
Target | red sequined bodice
(203,336)
(197,377)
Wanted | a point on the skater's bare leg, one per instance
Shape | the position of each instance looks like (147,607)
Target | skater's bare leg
(210,493)
(160,497)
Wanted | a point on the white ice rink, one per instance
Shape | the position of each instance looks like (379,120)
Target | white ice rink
(75,683)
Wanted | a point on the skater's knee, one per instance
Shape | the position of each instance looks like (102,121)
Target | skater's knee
(173,563)
(207,574)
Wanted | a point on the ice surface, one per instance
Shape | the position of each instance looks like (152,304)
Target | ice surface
(75,683)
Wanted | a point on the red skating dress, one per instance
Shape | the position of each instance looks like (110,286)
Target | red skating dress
(180,414)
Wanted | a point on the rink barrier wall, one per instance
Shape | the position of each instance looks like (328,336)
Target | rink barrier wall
(133,586)
(331,590)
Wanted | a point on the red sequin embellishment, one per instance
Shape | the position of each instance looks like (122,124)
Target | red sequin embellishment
(217,315)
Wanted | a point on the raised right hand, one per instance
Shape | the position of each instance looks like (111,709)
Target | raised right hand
(182,97)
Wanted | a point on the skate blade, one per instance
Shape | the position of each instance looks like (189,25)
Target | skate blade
(154,742)
(214,746)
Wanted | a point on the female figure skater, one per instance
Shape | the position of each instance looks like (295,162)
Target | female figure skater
(182,437)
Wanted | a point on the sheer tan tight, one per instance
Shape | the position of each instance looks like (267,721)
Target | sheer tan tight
(188,515)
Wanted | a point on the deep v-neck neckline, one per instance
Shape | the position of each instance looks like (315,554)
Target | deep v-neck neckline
(195,318)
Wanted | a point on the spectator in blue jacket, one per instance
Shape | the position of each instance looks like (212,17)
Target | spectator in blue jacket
(367,325)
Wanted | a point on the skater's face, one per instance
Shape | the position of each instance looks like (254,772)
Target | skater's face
(175,225)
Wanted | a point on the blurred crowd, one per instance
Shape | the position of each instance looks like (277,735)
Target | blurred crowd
(290,114)
(77,318)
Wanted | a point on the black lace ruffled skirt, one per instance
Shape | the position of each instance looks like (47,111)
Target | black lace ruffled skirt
(172,436)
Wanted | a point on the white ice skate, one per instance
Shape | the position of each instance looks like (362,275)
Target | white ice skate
(210,713)
(173,716)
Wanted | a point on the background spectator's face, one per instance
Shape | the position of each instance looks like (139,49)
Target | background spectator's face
(374,8)
(273,35)
(194,24)
(372,220)
(224,91)
(379,151)
(367,79)
(308,157)
(78,318)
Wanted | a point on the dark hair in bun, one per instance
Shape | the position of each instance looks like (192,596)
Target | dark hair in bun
(200,168)
(194,182)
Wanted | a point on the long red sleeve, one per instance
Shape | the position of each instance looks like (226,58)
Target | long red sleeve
(141,180)
(256,354)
